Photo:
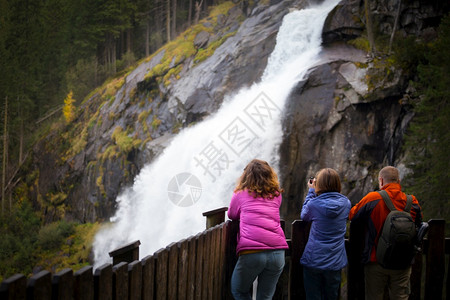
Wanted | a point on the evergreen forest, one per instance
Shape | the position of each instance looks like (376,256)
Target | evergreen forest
(54,53)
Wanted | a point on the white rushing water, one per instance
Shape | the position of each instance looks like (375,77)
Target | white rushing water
(197,172)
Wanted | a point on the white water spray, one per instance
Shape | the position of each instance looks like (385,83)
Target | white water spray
(198,170)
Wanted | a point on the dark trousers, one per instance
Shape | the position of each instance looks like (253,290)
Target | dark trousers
(321,284)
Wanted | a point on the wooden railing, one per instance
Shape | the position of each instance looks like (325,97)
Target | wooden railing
(200,267)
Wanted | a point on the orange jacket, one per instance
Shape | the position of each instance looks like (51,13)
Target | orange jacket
(373,211)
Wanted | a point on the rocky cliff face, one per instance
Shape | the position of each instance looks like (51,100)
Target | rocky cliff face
(350,114)
(353,110)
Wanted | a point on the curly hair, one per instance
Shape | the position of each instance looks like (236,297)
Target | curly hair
(259,179)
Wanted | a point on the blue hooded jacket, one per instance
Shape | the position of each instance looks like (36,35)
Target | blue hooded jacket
(328,213)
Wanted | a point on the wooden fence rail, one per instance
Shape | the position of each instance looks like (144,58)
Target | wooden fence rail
(200,267)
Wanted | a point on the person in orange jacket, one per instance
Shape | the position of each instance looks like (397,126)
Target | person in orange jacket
(372,212)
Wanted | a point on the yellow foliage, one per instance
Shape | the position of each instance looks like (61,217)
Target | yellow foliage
(221,9)
(155,123)
(80,142)
(183,47)
(203,54)
(69,108)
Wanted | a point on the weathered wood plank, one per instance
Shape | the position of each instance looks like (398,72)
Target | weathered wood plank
(355,267)
(127,253)
(183,269)
(416,277)
(211,254)
(172,281)
(215,217)
(161,264)
(39,286)
(84,284)
(62,285)
(435,260)
(232,229)
(148,278)
(299,238)
(135,280)
(103,282)
(120,281)
(14,287)
(206,265)
(199,267)
(192,254)
(218,263)
(213,264)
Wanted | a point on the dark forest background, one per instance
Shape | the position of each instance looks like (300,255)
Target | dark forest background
(49,48)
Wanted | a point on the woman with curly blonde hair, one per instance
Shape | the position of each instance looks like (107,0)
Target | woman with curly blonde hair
(261,242)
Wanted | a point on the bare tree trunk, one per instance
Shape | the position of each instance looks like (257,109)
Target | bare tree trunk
(96,70)
(113,58)
(174,19)
(5,151)
(129,39)
(198,8)
(21,133)
(168,20)
(147,38)
(394,29)
(369,26)
(189,13)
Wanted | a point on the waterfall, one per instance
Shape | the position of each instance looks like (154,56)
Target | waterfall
(198,170)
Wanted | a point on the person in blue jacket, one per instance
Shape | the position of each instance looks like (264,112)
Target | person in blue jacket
(324,254)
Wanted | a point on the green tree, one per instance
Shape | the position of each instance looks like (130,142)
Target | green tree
(428,139)
(19,232)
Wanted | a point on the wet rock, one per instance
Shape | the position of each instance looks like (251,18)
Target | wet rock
(201,39)
(343,23)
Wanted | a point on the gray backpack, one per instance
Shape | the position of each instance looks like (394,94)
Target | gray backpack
(396,246)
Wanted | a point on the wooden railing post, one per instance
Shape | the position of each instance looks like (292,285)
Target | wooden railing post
(103,282)
(230,238)
(192,249)
(416,277)
(299,238)
(14,288)
(435,260)
(127,253)
(135,280)
(40,286)
(355,267)
(172,269)
(161,264)
(120,281)
(215,217)
(84,283)
(62,285)
(183,259)
(148,276)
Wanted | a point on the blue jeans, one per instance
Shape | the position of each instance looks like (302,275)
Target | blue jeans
(266,266)
(321,284)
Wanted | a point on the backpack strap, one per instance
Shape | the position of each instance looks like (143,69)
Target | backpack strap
(389,203)
(387,200)
(408,203)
